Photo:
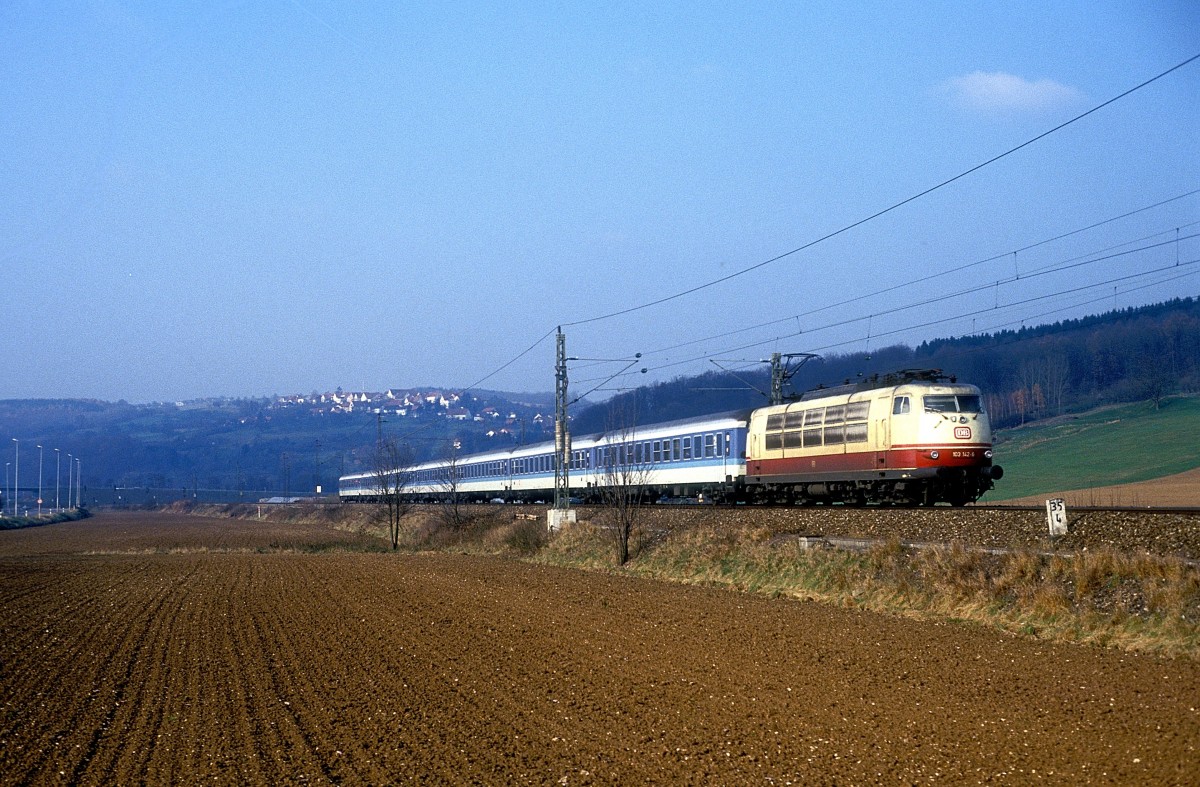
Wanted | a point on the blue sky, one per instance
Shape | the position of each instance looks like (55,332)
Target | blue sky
(228,198)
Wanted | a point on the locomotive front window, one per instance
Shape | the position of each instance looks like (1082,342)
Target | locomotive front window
(940,404)
(900,405)
(970,404)
(949,403)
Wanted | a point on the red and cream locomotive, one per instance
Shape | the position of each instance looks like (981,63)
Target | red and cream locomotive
(914,438)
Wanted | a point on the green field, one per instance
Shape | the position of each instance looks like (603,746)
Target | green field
(1113,445)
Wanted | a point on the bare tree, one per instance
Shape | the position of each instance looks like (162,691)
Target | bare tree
(392,474)
(625,470)
(454,512)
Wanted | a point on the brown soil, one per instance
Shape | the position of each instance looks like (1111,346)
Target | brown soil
(151,648)
(1180,491)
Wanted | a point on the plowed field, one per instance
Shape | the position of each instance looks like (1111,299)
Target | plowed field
(157,649)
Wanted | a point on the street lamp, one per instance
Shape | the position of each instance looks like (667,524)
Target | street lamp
(70,465)
(78,483)
(16,473)
(7,486)
(57,474)
(39,480)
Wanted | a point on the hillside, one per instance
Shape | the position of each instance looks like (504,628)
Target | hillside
(1027,375)
(1102,448)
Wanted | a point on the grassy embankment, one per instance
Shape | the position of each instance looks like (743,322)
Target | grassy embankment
(1115,445)
(13,522)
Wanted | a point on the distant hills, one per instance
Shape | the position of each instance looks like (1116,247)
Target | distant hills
(227,448)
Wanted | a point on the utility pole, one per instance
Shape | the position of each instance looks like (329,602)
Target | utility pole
(561,514)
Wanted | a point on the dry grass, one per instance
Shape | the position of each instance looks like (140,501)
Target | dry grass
(1135,602)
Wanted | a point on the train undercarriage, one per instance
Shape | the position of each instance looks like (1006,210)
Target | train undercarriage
(954,486)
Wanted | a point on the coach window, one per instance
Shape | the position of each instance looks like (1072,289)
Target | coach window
(656,452)
(710,446)
(900,405)
(675,452)
(687,448)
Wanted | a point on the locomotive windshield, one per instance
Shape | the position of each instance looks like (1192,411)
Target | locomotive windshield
(951,403)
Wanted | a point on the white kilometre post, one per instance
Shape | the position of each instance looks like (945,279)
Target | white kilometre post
(1056,516)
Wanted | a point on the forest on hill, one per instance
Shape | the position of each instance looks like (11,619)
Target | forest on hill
(1133,354)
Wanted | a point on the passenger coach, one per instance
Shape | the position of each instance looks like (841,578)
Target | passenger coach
(700,458)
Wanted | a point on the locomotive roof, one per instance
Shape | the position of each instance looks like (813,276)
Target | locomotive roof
(877,381)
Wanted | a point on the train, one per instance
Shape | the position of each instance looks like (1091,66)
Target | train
(913,438)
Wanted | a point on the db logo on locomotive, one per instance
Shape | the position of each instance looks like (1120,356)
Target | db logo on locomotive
(962,432)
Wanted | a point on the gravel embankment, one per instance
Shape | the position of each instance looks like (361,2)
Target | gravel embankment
(1158,533)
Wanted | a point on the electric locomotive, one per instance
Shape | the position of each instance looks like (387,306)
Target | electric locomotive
(913,438)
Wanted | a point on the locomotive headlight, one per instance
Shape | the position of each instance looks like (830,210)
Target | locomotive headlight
(987,454)
(962,419)
(934,454)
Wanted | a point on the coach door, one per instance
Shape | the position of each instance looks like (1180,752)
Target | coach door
(883,433)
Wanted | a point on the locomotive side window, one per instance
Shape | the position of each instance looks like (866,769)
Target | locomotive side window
(900,405)
(812,438)
(835,414)
(858,411)
(814,417)
(775,422)
(792,440)
(774,441)
(856,433)
(793,419)
(834,435)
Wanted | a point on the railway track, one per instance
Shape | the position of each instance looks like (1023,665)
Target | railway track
(1160,531)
